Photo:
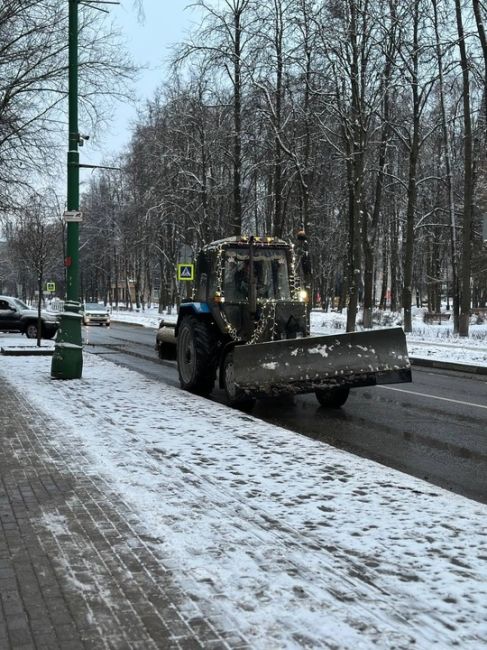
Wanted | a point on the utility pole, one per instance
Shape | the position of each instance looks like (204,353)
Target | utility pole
(67,360)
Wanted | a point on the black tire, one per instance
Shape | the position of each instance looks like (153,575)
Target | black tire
(236,398)
(166,351)
(196,356)
(31,330)
(332,397)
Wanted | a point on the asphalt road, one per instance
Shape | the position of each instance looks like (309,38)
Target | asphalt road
(434,428)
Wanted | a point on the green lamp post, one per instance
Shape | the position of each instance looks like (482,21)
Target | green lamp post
(67,360)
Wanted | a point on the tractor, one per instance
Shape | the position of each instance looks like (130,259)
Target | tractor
(248,323)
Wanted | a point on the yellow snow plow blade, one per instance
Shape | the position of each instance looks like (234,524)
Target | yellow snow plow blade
(303,364)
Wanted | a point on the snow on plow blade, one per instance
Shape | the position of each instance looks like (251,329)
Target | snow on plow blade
(301,365)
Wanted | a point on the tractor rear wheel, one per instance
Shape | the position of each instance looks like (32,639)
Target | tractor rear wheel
(235,397)
(332,397)
(196,356)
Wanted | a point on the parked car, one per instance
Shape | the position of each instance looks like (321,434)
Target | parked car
(16,316)
(94,312)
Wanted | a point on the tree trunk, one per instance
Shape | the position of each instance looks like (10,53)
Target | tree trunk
(385,271)
(356,172)
(278,160)
(368,274)
(467,181)
(412,187)
(237,137)
(394,262)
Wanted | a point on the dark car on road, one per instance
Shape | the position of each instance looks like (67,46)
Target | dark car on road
(16,316)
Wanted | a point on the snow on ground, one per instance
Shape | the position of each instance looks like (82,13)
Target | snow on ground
(426,341)
(292,542)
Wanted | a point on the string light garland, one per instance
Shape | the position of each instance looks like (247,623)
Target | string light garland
(267,313)
(294,288)
(267,307)
(231,330)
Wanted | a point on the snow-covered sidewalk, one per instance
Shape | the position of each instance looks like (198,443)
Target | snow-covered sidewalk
(292,542)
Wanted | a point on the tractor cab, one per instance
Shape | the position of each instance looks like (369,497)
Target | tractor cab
(250,287)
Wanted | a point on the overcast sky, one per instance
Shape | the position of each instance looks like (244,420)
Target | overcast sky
(166,23)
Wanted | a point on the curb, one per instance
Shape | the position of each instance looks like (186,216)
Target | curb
(448,365)
(42,352)
(123,322)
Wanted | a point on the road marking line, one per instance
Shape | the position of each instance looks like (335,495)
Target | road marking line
(445,399)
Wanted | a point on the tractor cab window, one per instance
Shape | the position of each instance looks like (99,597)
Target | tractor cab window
(202,275)
(270,275)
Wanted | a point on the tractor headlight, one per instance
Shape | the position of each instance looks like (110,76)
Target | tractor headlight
(303,295)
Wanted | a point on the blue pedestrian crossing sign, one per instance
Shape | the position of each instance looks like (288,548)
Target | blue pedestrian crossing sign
(185,271)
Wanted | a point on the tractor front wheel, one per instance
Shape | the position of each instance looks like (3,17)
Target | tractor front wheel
(235,397)
(332,397)
(196,356)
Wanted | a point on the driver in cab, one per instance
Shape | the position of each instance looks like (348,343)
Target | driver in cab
(242,279)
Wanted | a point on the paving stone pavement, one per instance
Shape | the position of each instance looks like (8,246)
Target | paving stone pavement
(74,570)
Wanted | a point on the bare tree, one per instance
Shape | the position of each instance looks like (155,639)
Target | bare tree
(35,242)
(446,145)
(223,41)
(371,218)
(33,73)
